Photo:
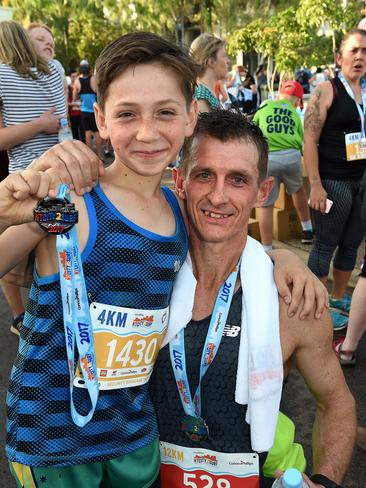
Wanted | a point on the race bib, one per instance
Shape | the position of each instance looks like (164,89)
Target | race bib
(203,468)
(127,342)
(355,146)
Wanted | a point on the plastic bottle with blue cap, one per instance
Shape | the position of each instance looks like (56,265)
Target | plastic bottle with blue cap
(291,478)
(64,133)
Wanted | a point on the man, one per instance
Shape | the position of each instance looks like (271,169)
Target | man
(282,127)
(222,178)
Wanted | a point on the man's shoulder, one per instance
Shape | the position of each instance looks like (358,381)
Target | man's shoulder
(297,333)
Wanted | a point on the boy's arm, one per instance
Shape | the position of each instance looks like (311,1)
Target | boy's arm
(297,285)
(74,163)
(19,194)
(16,243)
(335,422)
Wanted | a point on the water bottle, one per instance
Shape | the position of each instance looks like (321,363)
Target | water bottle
(64,132)
(291,478)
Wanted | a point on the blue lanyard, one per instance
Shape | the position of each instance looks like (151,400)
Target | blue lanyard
(76,315)
(361,111)
(210,348)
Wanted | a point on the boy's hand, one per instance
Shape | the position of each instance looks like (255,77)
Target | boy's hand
(74,163)
(297,285)
(19,194)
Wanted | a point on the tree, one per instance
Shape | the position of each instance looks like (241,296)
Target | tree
(333,17)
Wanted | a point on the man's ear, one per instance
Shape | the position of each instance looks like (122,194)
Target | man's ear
(264,190)
(179,183)
(100,121)
(191,118)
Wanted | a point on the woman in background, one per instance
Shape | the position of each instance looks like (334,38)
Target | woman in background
(32,101)
(210,53)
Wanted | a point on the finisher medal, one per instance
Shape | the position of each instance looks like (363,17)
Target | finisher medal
(56,215)
(195,428)
(192,423)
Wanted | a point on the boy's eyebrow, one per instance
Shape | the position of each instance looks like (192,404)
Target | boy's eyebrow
(160,102)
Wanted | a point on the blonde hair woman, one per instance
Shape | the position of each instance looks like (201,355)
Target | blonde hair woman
(210,53)
(32,101)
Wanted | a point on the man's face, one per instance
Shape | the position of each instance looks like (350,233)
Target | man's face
(43,42)
(353,57)
(146,118)
(221,188)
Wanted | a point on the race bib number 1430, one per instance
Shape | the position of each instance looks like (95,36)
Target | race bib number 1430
(126,342)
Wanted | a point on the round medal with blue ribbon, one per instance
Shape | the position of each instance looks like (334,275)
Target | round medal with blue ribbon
(56,215)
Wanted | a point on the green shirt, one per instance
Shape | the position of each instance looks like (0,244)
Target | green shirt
(280,124)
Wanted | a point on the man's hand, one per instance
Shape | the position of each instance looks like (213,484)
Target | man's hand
(19,194)
(297,285)
(310,484)
(49,122)
(74,163)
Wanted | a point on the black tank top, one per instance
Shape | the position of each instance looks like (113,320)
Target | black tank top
(85,85)
(342,118)
(228,431)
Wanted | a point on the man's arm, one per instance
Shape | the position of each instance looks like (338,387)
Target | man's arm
(19,133)
(315,116)
(335,423)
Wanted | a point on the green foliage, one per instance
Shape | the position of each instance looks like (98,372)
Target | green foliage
(284,31)
(291,38)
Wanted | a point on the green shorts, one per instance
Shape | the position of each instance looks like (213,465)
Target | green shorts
(138,469)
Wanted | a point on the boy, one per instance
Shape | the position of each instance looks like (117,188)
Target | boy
(145,89)
(282,127)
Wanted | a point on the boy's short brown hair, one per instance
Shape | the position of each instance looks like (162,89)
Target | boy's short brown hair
(142,48)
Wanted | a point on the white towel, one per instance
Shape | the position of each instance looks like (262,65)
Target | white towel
(260,369)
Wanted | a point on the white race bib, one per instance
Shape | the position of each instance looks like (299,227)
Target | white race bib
(203,468)
(355,146)
(127,342)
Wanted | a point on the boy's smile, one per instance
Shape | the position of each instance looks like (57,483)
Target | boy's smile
(146,118)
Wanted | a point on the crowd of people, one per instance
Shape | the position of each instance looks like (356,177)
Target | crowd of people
(90,399)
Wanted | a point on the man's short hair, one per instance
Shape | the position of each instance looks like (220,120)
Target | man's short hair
(144,48)
(225,125)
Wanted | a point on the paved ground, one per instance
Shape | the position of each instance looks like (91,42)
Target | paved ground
(300,403)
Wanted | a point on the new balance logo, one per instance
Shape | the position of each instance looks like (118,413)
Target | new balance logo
(231,330)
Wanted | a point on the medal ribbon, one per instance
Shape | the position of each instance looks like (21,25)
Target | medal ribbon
(210,348)
(361,111)
(76,315)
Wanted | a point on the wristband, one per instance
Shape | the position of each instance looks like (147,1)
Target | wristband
(56,215)
(323,480)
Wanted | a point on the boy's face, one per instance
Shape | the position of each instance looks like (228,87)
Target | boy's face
(146,118)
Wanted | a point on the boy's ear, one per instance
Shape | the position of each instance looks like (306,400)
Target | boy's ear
(191,118)
(179,183)
(265,189)
(100,121)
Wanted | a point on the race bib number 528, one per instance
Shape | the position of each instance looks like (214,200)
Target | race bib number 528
(203,468)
